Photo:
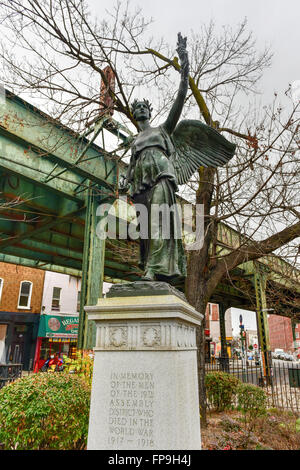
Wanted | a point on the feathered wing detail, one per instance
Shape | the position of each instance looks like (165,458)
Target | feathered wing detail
(197,144)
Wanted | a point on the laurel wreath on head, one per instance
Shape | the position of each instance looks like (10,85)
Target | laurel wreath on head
(148,104)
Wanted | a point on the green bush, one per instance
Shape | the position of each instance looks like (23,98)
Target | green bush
(221,389)
(252,402)
(45,411)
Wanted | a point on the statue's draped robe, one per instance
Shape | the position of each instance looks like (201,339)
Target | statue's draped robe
(152,180)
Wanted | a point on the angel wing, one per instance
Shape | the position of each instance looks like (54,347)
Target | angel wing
(197,144)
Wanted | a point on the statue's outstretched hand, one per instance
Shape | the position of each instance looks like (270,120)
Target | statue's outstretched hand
(123,185)
(182,54)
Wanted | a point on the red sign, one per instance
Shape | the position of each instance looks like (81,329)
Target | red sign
(255,346)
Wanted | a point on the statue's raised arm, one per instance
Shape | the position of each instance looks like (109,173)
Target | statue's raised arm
(177,106)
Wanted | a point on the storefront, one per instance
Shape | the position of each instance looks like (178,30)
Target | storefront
(18,334)
(57,335)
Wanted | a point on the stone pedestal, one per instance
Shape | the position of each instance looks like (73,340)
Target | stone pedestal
(145,384)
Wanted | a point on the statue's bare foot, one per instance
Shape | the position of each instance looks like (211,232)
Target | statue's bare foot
(149,276)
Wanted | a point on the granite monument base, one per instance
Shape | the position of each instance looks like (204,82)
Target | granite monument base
(145,385)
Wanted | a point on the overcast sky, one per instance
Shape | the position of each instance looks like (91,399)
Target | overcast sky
(274,23)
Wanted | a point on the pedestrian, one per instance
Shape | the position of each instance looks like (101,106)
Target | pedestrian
(213,358)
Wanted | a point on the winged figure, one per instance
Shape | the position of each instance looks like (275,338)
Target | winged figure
(197,144)
(163,157)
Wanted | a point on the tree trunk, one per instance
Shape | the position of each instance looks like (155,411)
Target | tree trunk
(197,272)
(196,295)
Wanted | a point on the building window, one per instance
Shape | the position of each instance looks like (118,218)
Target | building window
(25,294)
(3,329)
(78,300)
(56,298)
(1,286)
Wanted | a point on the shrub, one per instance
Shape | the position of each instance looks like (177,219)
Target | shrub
(252,402)
(82,365)
(235,440)
(230,425)
(221,389)
(45,411)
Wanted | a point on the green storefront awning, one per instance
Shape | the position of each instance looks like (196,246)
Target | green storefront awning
(58,326)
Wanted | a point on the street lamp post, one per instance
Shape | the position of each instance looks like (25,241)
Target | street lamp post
(242,336)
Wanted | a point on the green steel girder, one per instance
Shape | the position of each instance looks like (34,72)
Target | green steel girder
(26,164)
(53,142)
(42,226)
(44,243)
(53,236)
(40,247)
(30,195)
(11,259)
(25,252)
(58,239)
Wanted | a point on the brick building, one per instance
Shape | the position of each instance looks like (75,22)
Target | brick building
(281,334)
(21,290)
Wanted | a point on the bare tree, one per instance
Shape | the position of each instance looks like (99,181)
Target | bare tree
(57,50)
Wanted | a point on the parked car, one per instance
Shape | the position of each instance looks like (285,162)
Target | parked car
(278,353)
(283,356)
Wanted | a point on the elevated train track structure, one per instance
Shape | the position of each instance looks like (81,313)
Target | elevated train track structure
(52,180)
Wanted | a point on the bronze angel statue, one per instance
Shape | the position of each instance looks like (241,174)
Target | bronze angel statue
(163,157)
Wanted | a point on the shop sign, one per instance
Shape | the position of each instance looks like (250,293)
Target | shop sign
(58,326)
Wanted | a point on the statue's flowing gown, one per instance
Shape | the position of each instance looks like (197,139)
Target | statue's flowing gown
(153,183)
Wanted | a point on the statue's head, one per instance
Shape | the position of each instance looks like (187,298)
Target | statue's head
(141,110)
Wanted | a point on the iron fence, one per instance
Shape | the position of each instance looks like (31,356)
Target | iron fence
(10,373)
(282,387)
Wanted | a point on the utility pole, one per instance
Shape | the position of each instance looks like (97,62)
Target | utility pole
(260,282)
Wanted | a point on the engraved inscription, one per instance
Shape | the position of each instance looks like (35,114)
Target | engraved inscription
(131,410)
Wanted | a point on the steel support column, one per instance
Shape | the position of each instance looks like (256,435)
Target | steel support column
(224,354)
(92,273)
(260,283)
